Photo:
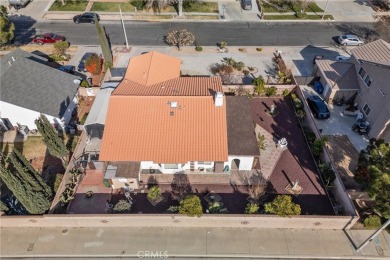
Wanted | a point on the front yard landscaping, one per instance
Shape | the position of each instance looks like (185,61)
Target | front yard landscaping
(69,6)
(112,7)
(295,17)
(285,7)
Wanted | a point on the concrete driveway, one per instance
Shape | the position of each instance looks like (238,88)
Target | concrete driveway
(234,12)
(338,123)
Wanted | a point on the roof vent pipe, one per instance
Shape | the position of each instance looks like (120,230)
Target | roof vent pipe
(13,59)
(218,99)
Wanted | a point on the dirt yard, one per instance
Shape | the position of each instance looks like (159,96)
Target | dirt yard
(345,157)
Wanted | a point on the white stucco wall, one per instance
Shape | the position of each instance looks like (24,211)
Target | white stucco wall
(24,116)
(246,162)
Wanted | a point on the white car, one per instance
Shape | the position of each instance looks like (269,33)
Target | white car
(341,57)
(349,40)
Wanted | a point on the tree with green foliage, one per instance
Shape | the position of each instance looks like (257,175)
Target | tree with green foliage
(6,26)
(34,202)
(373,173)
(259,83)
(26,172)
(3,207)
(372,222)
(252,208)
(54,143)
(191,206)
(60,48)
(282,206)
(154,193)
(122,206)
(104,44)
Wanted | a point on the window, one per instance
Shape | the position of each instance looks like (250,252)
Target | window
(205,163)
(382,92)
(368,81)
(366,109)
(362,72)
(171,166)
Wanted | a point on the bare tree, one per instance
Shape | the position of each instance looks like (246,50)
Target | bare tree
(256,185)
(179,38)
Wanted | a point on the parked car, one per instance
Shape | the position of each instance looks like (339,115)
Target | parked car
(318,87)
(86,18)
(342,57)
(48,38)
(350,40)
(81,66)
(318,57)
(67,68)
(18,4)
(318,107)
(246,4)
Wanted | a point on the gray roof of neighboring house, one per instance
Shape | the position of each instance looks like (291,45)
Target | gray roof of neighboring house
(98,112)
(27,82)
(341,74)
(240,128)
(377,51)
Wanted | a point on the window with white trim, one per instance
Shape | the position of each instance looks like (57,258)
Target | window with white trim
(366,109)
(171,166)
(362,73)
(368,81)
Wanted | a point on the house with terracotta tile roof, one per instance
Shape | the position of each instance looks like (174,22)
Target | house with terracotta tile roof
(366,74)
(164,123)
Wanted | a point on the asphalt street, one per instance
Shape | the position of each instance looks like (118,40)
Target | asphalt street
(207,33)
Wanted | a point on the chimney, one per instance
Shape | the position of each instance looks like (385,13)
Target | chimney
(218,99)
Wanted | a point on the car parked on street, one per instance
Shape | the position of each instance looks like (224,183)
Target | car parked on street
(81,66)
(18,4)
(86,18)
(246,4)
(350,39)
(318,107)
(48,38)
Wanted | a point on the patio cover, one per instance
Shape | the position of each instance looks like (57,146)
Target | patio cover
(94,125)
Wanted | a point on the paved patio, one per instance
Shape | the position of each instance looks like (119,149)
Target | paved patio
(295,163)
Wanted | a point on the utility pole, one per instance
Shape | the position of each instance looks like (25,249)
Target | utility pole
(123,25)
(373,235)
(326,7)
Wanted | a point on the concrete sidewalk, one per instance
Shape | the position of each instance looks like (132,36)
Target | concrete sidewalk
(238,243)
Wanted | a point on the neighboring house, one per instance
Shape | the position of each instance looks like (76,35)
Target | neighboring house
(366,74)
(159,122)
(30,87)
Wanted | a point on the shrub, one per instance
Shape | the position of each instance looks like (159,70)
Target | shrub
(317,147)
(246,72)
(223,44)
(93,64)
(261,144)
(372,222)
(286,92)
(259,83)
(198,48)
(217,208)
(139,4)
(259,49)
(122,206)
(61,47)
(84,84)
(301,15)
(239,65)
(154,193)
(251,68)
(241,49)
(191,206)
(283,206)
(327,173)
(270,92)
(297,101)
(251,208)
(173,209)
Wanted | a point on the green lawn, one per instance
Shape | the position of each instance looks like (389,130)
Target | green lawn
(313,7)
(293,17)
(202,17)
(69,6)
(112,7)
(204,7)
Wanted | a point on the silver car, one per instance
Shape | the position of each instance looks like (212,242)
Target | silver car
(350,40)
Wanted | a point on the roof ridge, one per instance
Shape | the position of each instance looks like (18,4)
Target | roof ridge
(150,65)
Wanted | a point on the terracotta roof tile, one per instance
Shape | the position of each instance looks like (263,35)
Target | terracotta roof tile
(152,68)
(143,129)
(182,86)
